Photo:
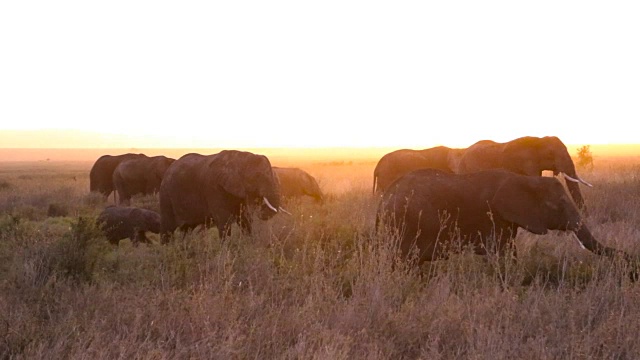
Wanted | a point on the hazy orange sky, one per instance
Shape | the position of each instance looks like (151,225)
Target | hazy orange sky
(124,74)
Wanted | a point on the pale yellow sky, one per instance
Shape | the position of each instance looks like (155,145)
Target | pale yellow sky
(330,73)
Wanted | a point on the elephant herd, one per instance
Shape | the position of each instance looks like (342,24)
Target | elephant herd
(218,189)
(480,195)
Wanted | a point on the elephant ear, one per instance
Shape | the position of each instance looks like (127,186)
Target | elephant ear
(232,173)
(276,178)
(518,202)
(231,181)
(523,156)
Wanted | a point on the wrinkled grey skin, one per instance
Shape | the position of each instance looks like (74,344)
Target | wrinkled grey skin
(429,208)
(119,223)
(395,164)
(296,182)
(218,189)
(527,156)
(101,174)
(139,176)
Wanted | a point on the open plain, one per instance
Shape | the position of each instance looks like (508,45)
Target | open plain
(319,284)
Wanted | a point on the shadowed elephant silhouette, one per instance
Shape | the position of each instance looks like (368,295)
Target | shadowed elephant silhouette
(119,223)
(397,163)
(296,182)
(101,173)
(139,176)
(430,209)
(219,189)
(526,156)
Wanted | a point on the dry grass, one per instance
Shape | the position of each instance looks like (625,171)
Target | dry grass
(320,284)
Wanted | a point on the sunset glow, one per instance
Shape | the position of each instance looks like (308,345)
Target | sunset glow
(330,74)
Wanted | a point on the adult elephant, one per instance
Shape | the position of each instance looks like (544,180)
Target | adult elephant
(430,209)
(101,174)
(527,156)
(296,182)
(219,188)
(139,176)
(395,164)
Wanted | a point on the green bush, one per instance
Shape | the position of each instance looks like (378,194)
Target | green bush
(80,250)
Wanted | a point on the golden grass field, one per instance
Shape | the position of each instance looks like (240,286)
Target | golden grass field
(319,284)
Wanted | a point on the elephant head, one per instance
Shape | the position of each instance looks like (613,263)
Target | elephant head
(295,182)
(532,155)
(538,204)
(149,220)
(252,180)
(160,165)
(143,220)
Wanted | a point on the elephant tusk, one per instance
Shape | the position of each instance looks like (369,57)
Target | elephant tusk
(570,178)
(285,211)
(578,180)
(269,204)
(579,242)
(584,182)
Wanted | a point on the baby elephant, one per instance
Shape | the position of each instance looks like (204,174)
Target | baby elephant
(296,182)
(128,222)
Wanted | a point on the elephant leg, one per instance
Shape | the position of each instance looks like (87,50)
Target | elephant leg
(148,189)
(513,250)
(138,237)
(125,198)
(167,227)
(224,214)
(165,237)
(224,225)
(143,237)
(245,223)
(134,237)
(186,229)
(224,231)
(506,259)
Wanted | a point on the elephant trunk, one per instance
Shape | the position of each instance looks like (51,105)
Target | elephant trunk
(315,192)
(590,243)
(153,222)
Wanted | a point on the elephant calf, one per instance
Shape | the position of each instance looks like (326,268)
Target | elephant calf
(118,223)
(295,182)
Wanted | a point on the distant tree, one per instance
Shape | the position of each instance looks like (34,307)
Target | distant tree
(585,157)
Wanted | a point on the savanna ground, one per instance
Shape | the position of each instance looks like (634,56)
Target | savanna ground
(320,284)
